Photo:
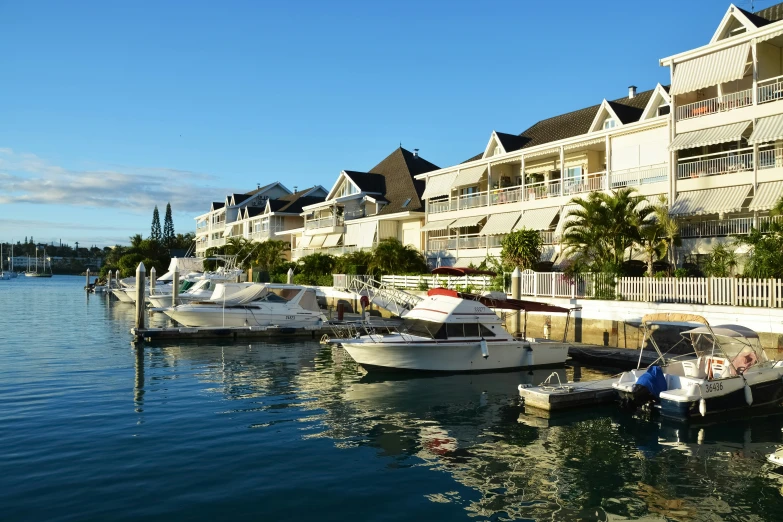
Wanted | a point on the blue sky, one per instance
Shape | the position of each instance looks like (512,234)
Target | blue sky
(109,108)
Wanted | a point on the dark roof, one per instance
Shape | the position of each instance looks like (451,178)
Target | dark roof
(254,211)
(511,142)
(766,16)
(578,122)
(260,189)
(367,182)
(296,207)
(398,169)
(218,204)
(239,198)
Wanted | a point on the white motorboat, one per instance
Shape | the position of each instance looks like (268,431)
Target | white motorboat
(452,332)
(728,371)
(196,288)
(260,305)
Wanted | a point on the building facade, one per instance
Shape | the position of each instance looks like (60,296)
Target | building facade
(710,142)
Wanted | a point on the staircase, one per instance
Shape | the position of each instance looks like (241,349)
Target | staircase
(396,301)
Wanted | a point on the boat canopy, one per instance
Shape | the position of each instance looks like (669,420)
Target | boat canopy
(244,296)
(725,330)
(677,318)
(504,304)
(739,344)
(459,271)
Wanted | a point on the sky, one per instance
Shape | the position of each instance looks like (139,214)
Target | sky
(110,108)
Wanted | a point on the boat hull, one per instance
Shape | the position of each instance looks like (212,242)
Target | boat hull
(460,356)
(766,394)
(242,317)
(121,295)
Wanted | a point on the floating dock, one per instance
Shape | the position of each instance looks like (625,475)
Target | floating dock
(556,397)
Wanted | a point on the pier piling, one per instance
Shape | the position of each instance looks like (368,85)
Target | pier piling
(108,282)
(290,276)
(140,309)
(175,288)
(152,280)
(516,291)
(87,285)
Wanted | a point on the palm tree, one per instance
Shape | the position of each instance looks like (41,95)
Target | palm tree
(670,228)
(653,244)
(270,254)
(522,248)
(390,256)
(777,210)
(605,226)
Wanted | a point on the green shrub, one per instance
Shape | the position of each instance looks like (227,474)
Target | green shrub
(423,285)
(659,275)
(680,273)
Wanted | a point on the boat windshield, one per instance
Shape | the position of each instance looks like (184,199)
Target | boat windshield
(421,328)
(741,351)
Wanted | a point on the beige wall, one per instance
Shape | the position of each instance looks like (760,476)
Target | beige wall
(411,233)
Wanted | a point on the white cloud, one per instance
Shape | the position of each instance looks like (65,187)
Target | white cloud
(27,178)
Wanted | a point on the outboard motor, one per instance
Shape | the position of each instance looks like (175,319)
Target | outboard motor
(647,389)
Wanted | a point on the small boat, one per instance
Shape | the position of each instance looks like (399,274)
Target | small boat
(36,273)
(728,371)
(260,304)
(449,331)
(200,288)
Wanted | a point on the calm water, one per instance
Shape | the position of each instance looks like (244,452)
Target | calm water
(90,429)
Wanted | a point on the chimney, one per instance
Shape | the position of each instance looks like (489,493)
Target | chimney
(258,186)
(632,91)
(296,188)
(415,153)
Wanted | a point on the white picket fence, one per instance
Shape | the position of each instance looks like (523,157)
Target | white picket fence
(725,291)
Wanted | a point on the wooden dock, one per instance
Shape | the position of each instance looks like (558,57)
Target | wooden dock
(556,397)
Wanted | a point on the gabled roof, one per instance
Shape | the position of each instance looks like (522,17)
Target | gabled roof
(398,169)
(239,198)
(367,181)
(578,122)
(296,207)
(265,188)
(218,205)
(511,142)
(771,14)
(293,203)
(253,211)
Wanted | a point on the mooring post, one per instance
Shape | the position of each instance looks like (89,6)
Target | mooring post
(516,292)
(175,288)
(87,284)
(152,281)
(141,274)
(290,276)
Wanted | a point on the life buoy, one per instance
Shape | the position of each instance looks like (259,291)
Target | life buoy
(364,301)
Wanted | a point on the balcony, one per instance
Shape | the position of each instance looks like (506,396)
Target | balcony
(542,189)
(436,207)
(354,214)
(505,195)
(727,102)
(586,183)
(718,163)
(770,90)
(716,227)
(331,221)
(334,251)
(639,176)
(454,243)
(476,199)
(201,225)
(770,158)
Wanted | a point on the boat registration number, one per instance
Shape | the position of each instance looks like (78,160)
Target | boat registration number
(290,317)
(713,386)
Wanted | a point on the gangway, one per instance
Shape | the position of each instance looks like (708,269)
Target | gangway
(396,301)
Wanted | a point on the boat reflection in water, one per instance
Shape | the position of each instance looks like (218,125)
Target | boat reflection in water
(489,458)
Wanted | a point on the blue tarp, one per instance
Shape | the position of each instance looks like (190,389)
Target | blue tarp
(654,380)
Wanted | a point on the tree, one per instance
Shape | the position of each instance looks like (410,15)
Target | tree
(390,256)
(777,210)
(155,233)
(653,244)
(670,229)
(605,226)
(168,228)
(522,248)
(270,254)
(765,256)
(721,262)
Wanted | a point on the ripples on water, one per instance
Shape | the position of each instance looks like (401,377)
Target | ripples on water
(92,430)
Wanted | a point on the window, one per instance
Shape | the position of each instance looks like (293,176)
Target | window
(422,328)
(609,123)
(497,151)
(664,109)
(406,203)
(574,173)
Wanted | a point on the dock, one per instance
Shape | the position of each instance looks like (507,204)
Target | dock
(565,396)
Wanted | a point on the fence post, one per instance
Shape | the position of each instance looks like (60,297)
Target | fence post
(646,290)
(573,289)
(553,285)
(616,288)
(771,292)
(709,290)
(734,284)
(535,284)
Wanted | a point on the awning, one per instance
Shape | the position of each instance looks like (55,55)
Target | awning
(767,129)
(500,223)
(711,136)
(332,240)
(464,262)
(594,141)
(367,232)
(469,176)
(545,152)
(565,218)
(304,241)
(353,233)
(767,194)
(317,241)
(538,219)
(437,225)
(710,201)
(471,221)
(540,168)
(713,69)
(439,185)
(769,36)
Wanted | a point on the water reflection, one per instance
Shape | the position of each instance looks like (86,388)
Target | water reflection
(502,463)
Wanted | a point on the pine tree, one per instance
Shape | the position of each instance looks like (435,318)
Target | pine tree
(155,233)
(168,227)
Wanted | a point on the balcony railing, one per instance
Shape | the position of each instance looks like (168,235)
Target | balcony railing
(354,214)
(335,251)
(477,199)
(548,237)
(639,176)
(586,183)
(505,195)
(727,102)
(770,158)
(331,221)
(770,90)
(472,241)
(543,189)
(440,206)
(717,227)
(740,160)
(201,224)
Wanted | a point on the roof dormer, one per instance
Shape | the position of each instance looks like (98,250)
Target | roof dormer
(494,147)
(735,22)
(605,118)
(344,186)
(659,104)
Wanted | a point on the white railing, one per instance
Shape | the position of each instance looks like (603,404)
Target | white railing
(217,242)
(441,244)
(770,90)
(438,281)
(331,221)
(452,242)
(727,102)
(717,227)
(353,214)
(505,195)
(542,189)
(740,160)
(334,251)
(764,222)
(440,206)
(476,199)
(472,241)
(639,176)
(548,237)
(770,158)
(495,241)
(587,183)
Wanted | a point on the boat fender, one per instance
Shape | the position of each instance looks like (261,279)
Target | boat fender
(748,394)
(484,349)
(703,407)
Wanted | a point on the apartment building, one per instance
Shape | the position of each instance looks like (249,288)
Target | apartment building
(267,212)
(363,208)
(710,142)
